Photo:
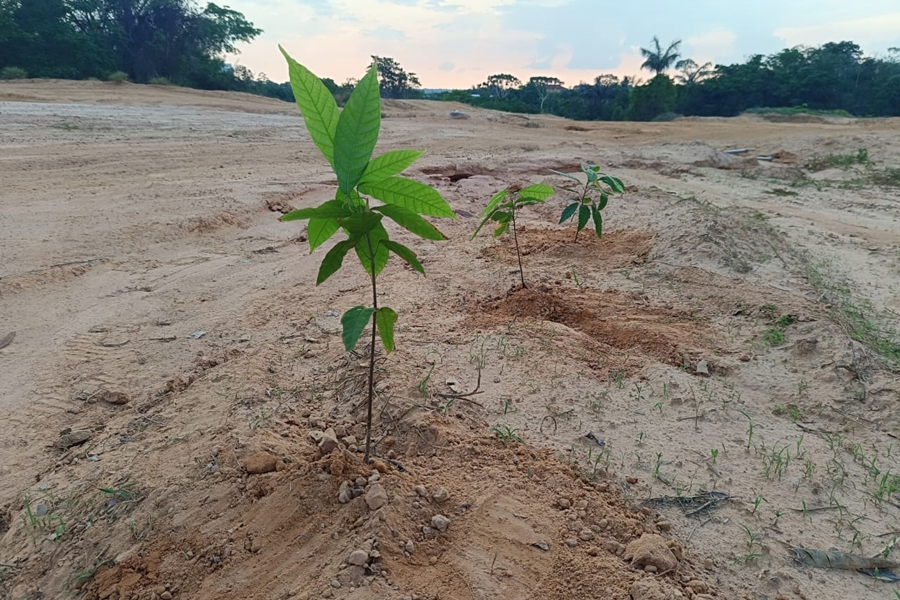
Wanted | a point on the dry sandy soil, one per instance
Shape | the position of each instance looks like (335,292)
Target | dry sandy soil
(724,343)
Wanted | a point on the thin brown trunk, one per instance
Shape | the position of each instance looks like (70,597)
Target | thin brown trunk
(518,254)
(371,357)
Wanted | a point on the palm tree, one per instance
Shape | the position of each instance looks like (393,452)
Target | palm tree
(657,60)
(692,73)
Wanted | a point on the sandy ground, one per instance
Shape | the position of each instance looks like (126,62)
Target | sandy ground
(163,313)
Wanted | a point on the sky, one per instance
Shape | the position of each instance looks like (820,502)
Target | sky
(459,43)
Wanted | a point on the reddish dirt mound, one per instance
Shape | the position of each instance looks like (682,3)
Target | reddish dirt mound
(615,250)
(624,322)
(517,519)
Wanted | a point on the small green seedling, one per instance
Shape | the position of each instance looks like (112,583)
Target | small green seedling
(502,210)
(505,434)
(347,140)
(591,198)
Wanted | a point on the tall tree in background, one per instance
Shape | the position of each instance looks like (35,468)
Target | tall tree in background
(145,38)
(692,73)
(395,82)
(544,86)
(658,60)
(501,84)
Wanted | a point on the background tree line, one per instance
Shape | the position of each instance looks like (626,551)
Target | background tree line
(834,77)
(181,42)
(147,40)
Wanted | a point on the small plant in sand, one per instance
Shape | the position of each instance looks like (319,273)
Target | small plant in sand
(502,210)
(590,198)
(347,140)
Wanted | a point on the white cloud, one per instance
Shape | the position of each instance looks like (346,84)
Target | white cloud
(865,31)
(710,46)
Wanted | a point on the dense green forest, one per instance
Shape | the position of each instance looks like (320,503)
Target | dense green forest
(183,43)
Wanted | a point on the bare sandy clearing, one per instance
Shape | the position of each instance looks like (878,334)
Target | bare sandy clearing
(140,254)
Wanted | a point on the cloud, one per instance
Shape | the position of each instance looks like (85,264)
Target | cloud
(575,40)
(385,32)
(709,46)
(447,66)
(864,31)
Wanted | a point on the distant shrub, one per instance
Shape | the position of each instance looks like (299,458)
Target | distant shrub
(795,110)
(666,116)
(13,73)
(118,77)
(159,81)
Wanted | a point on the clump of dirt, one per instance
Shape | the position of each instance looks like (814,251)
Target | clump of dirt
(614,320)
(214,222)
(528,520)
(615,250)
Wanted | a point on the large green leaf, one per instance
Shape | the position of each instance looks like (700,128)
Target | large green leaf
(361,223)
(504,227)
(569,212)
(409,194)
(495,201)
(411,221)
(538,191)
(614,183)
(598,220)
(354,322)
(604,200)
(385,319)
(381,254)
(320,231)
(327,210)
(584,215)
(390,164)
(320,111)
(357,132)
(334,259)
(408,256)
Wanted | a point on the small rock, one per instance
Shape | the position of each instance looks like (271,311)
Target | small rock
(651,569)
(167,595)
(216,450)
(349,440)
(256,545)
(374,477)
(744,358)
(117,398)
(564,503)
(358,558)
(329,442)
(603,524)
(651,549)
(410,547)
(345,494)
(72,438)
(664,526)
(361,482)
(336,584)
(259,463)
(698,586)
(586,535)
(631,480)
(440,522)
(328,593)
(376,497)
(440,495)
(703,368)
(428,532)
(571,542)
(422,491)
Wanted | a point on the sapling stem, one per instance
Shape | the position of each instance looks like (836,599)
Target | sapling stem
(371,356)
(518,254)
